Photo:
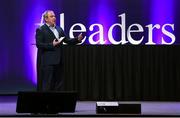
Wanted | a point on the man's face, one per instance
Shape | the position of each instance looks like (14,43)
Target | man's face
(51,19)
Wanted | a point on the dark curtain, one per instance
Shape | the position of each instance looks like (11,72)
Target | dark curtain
(135,73)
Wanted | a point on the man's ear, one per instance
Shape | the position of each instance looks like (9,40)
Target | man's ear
(45,19)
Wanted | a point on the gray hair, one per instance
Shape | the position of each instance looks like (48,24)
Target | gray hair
(45,14)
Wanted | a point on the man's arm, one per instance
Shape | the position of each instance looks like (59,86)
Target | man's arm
(40,43)
(70,40)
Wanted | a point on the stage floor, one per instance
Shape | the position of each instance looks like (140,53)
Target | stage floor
(88,108)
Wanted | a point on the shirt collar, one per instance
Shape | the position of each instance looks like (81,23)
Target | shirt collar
(51,26)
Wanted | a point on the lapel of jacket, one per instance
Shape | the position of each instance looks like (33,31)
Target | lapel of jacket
(60,31)
(49,31)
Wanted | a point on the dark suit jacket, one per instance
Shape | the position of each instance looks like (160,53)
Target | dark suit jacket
(47,53)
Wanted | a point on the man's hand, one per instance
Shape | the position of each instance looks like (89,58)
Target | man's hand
(80,37)
(56,42)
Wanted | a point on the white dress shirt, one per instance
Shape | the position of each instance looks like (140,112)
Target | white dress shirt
(54,30)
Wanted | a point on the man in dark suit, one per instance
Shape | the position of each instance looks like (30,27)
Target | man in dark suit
(49,39)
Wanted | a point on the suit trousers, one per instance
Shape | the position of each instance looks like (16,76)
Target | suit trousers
(50,78)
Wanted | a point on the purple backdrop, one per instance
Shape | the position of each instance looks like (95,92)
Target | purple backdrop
(19,20)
